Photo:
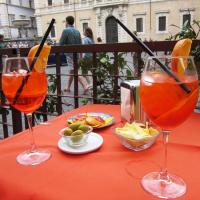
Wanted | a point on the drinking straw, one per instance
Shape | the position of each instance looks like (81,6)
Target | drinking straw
(34,60)
(146,48)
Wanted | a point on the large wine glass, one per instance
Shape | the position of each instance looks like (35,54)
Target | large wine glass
(33,87)
(168,97)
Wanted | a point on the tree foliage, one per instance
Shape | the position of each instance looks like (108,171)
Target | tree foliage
(105,74)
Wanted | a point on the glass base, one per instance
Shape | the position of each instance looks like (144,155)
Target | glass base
(167,189)
(33,157)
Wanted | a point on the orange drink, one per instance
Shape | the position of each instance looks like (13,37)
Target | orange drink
(33,93)
(164,101)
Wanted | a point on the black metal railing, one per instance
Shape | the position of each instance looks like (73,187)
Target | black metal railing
(10,116)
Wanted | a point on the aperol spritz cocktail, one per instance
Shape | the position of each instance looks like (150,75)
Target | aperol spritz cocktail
(33,93)
(168,104)
(17,74)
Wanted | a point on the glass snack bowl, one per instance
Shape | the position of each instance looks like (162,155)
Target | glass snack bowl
(136,136)
(76,138)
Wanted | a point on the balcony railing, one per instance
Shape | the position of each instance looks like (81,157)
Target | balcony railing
(105,2)
(133,55)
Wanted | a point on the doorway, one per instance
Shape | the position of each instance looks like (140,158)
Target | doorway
(111,30)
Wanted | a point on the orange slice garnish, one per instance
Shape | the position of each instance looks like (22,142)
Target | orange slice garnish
(42,60)
(176,113)
(181,48)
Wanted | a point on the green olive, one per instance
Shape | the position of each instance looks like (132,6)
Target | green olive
(77,136)
(84,128)
(75,126)
(68,131)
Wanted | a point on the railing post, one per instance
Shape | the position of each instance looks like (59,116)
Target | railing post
(75,61)
(4,113)
(139,64)
(58,81)
(16,120)
(44,109)
(94,66)
(116,74)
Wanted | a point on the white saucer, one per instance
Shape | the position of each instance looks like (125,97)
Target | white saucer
(94,142)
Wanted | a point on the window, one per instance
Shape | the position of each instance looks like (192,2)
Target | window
(33,22)
(66,1)
(139,25)
(186,15)
(186,18)
(85,22)
(162,23)
(53,32)
(85,25)
(49,2)
(11,18)
(139,22)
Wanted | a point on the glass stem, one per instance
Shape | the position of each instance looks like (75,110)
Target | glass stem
(30,125)
(164,173)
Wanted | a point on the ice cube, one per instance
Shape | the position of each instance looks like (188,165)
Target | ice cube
(22,71)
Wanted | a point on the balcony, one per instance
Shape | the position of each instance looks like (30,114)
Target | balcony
(78,4)
(102,3)
(120,55)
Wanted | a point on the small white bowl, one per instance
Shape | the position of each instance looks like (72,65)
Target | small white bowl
(135,144)
(75,140)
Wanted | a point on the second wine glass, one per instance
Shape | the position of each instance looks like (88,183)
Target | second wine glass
(168,99)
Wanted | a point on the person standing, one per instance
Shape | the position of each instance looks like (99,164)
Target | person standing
(1,46)
(88,39)
(71,35)
(99,40)
(1,41)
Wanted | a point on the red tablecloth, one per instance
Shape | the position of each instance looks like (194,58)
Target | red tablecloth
(110,173)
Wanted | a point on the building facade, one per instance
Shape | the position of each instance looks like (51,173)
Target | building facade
(17,19)
(151,19)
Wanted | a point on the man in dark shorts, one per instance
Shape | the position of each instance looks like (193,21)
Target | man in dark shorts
(71,35)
